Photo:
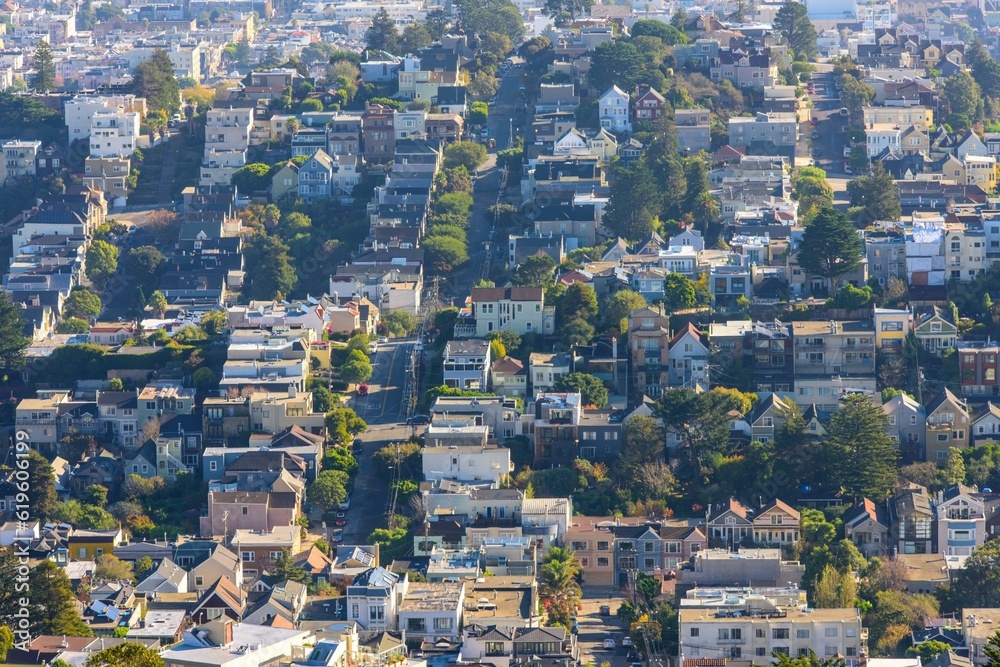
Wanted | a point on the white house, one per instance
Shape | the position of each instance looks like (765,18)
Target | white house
(466,463)
(467,364)
(688,356)
(113,133)
(613,110)
(373,597)
(432,610)
(961,520)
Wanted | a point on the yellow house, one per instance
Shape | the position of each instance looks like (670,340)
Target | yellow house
(89,544)
(891,327)
(981,171)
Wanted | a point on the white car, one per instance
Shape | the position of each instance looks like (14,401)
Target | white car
(373,348)
(485,132)
(346,505)
(383,339)
(338,534)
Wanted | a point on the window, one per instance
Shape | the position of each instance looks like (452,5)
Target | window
(602,546)
(760,651)
(442,623)
(695,632)
(245,511)
(247,556)
(779,633)
(213,465)
(199,581)
(802,634)
(602,562)
(648,546)
(759,633)
(831,632)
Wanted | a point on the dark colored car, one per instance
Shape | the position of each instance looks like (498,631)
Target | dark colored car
(419,420)
(605,610)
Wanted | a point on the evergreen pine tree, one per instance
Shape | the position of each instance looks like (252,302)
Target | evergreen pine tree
(43,78)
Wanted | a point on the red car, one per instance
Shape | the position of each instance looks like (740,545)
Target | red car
(341,522)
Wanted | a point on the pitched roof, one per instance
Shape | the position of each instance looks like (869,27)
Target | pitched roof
(508,366)
(866,509)
(689,328)
(777,503)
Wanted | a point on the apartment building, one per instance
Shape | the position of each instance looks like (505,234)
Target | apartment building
(961,520)
(467,364)
(227,136)
(948,425)
(546,369)
(757,632)
(778,129)
(557,416)
(79,111)
(36,417)
(977,364)
(919,116)
(834,348)
(965,246)
(649,349)
(113,133)
(19,159)
(518,309)
(110,176)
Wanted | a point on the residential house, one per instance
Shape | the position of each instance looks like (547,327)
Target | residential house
(89,544)
(508,377)
(285,181)
(467,364)
(776,523)
(778,130)
(986,424)
(688,356)
(258,549)
(934,330)
(229,511)
(907,427)
(613,111)
(891,328)
(651,106)
(911,520)
(373,598)
(545,370)
(961,520)
(284,600)
(729,523)
(977,364)
(432,611)
(518,309)
(694,128)
(222,599)
(866,524)
(649,348)
(466,463)
(167,577)
(948,425)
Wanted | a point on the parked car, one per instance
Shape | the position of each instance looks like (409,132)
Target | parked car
(847,169)
(485,132)
(341,522)
(383,339)
(817,152)
(632,656)
(605,610)
(338,534)
(344,506)
(609,642)
(373,347)
(847,150)
(627,641)
(418,420)
(843,111)
(358,446)
(815,134)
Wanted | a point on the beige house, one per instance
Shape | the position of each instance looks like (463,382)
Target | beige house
(109,175)
(285,181)
(948,425)
(229,511)
(258,549)
(36,417)
(866,525)
(649,349)
(592,538)
(274,411)
(776,523)
(934,330)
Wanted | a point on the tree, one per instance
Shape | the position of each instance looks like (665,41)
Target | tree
(73,325)
(634,203)
(95,494)
(929,650)
(142,566)
(830,247)
(794,26)
(214,322)
(619,306)
(126,654)
(283,569)
(855,94)
(877,195)
(204,378)
(978,583)
(254,177)
(558,9)
(643,443)
(415,37)
(158,303)
(329,489)
(102,261)
(342,424)
(578,301)
(43,75)
(52,608)
(41,480)
(954,469)
(273,272)
(665,32)
(678,292)
(111,568)
(616,62)
(82,304)
(400,323)
(382,35)
(591,389)
(154,79)
(468,154)
(357,368)
(445,253)
(143,263)
(478,113)
(497,350)
(862,457)
(164,225)
(832,590)
(12,339)
(534,271)
(560,591)
(964,99)
(577,331)
(6,642)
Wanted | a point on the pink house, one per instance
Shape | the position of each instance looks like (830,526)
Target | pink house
(229,511)
(651,106)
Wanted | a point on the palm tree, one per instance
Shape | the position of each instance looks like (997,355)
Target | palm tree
(706,210)
(560,590)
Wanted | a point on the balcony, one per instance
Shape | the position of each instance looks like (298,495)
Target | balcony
(947,426)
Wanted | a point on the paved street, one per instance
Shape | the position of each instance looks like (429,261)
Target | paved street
(594,628)
(505,115)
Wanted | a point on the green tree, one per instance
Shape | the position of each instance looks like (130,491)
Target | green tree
(643,443)
(559,588)
(634,203)
(830,247)
(954,470)
(158,303)
(929,650)
(978,583)
(577,331)
(616,62)
(127,654)
(43,68)
(877,195)
(272,271)
(445,253)
(111,568)
(6,642)
(142,566)
(468,154)
(591,389)
(535,270)
(478,113)
(400,323)
(562,9)
(329,489)
(619,306)
(578,301)
(254,177)
(964,100)
(42,482)
(144,263)
(73,325)
(95,494)
(382,35)
(343,423)
(154,79)
(82,304)
(214,322)
(283,569)
(204,378)
(415,37)
(855,94)
(678,292)
(52,609)
(102,261)
(357,368)
(863,459)
(665,32)
(795,28)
